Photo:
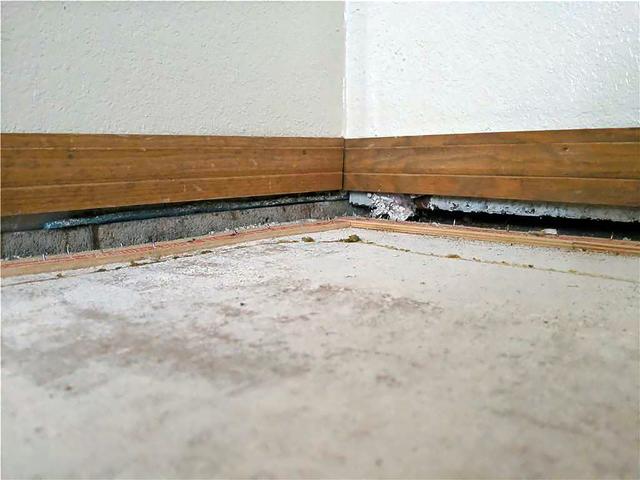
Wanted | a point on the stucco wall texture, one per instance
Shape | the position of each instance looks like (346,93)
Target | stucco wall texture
(219,68)
(278,68)
(429,68)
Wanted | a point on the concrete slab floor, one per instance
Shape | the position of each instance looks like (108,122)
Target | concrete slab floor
(395,357)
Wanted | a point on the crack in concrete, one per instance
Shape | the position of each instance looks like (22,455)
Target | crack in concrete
(452,256)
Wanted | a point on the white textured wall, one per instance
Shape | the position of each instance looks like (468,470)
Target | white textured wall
(182,68)
(425,68)
(277,68)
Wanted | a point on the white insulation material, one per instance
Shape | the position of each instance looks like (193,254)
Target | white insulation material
(401,207)
(533,209)
(388,205)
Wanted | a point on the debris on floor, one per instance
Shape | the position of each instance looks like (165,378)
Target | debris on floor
(351,239)
(400,360)
(385,205)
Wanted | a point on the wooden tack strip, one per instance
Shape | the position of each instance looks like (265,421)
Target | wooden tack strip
(55,263)
(623,247)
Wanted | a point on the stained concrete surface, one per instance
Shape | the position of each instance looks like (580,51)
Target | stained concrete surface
(397,356)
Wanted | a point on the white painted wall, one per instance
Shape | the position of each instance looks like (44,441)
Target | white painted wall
(245,68)
(223,68)
(427,68)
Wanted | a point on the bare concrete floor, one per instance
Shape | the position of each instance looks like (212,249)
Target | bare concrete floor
(390,357)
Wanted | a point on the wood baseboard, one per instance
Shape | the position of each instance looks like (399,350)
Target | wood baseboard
(598,167)
(57,263)
(43,173)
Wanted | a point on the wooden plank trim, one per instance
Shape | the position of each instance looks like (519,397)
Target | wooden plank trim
(50,198)
(598,135)
(44,173)
(28,266)
(596,160)
(21,168)
(595,191)
(589,166)
(72,141)
(66,172)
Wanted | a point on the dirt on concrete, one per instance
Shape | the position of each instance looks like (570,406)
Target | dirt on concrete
(396,356)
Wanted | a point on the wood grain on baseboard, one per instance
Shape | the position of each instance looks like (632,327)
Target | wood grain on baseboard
(600,167)
(65,172)
(43,173)
(597,191)
(588,135)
